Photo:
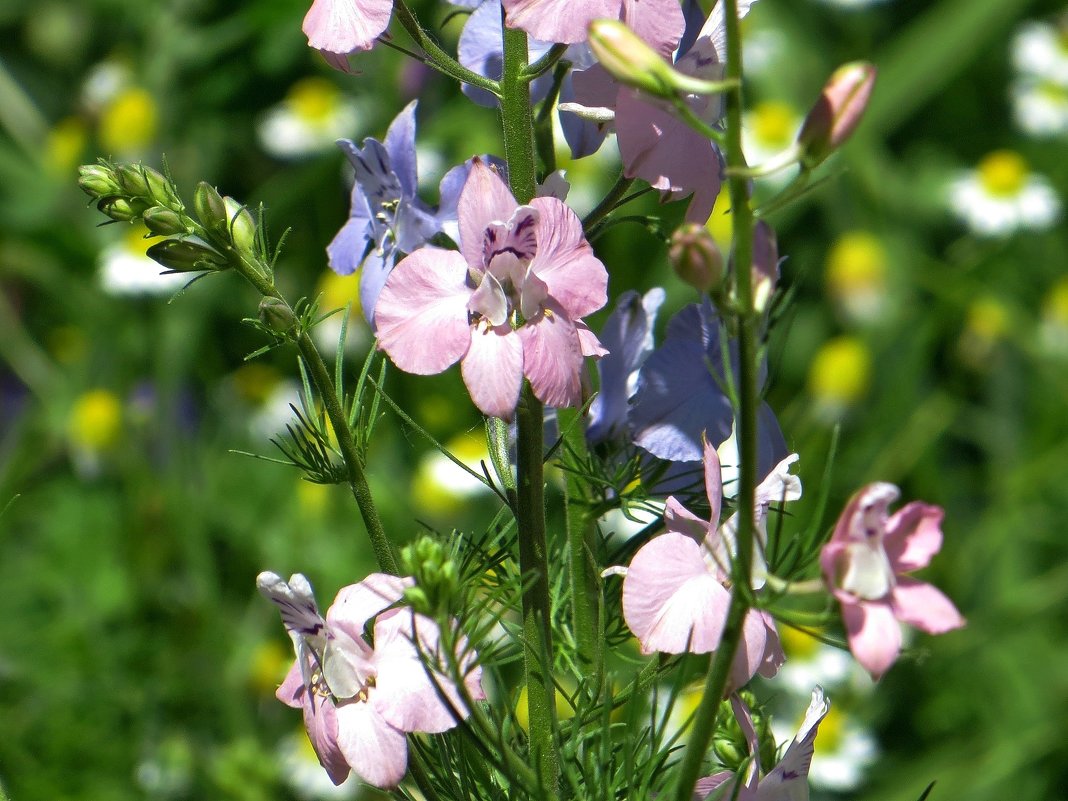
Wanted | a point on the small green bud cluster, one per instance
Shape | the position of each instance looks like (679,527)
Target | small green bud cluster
(729,742)
(131,192)
(227,222)
(435,574)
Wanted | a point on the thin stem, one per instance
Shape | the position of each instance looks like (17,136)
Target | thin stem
(543,121)
(438,58)
(545,63)
(609,202)
(747,318)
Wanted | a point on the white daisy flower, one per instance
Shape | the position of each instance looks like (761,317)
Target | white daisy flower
(311,118)
(1002,196)
(1040,107)
(1041,50)
(126,270)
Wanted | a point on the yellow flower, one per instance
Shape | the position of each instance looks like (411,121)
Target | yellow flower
(719,224)
(65,145)
(1003,173)
(129,122)
(95,421)
(337,290)
(988,319)
(840,373)
(856,275)
(268,665)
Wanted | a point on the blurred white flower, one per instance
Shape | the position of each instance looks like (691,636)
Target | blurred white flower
(1002,195)
(126,270)
(1040,107)
(767,130)
(310,119)
(1041,49)
(302,773)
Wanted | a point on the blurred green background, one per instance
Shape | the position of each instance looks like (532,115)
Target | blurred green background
(136,658)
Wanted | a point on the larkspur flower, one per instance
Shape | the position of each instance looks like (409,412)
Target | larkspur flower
(338,27)
(865,565)
(568,22)
(675,597)
(387,217)
(360,701)
(508,305)
(788,780)
(654,143)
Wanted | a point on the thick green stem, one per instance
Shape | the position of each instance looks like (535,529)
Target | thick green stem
(748,320)
(518,127)
(435,56)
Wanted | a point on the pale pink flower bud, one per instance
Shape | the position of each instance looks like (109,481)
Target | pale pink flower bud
(837,112)
(628,59)
(695,257)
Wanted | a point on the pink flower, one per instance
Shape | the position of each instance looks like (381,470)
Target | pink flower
(675,597)
(788,780)
(865,566)
(654,143)
(508,304)
(659,22)
(339,27)
(359,701)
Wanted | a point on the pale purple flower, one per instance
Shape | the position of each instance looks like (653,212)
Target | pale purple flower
(360,701)
(507,305)
(865,565)
(654,143)
(387,217)
(681,397)
(339,27)
(659,22)
(674,594)
(788,780)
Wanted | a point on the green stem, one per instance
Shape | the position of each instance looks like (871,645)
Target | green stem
(748,320)
(581,533)
(518,128)
(545,63)
(438,58)
(608,202)
(257,275)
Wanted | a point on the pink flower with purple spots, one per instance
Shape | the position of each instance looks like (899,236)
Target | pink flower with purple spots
(507,305)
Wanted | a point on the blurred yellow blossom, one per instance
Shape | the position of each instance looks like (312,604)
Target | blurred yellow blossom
(857,275)
(720,222)
(311,117)
(1054,327)
(267,666)
(66,144)
(95,421)
(128,122)
(440,486)
(1002,195)
(840,374)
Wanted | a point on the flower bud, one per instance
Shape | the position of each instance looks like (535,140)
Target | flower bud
(97,180)
(837,112)
(145,182)
(210,208)
(186,255)
(630,60)
(436,579)
(695,257)
(241,226)
(276,315)
(164,222)
(121,209)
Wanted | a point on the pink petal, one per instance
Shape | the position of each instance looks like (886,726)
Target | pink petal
(589,344)
(874,635)
(358,603)
(773,657)
(421,314)
(713,483)
(552,359)
(377,752)
(484,199)
(291,691)
(749,657)
(659,23)
(341,26)
(493,370)
(594,87)
(320,719)
(681,520)
(670,600)
(576,278)
(913,536)
(924,606)
(563,21)
(405,695)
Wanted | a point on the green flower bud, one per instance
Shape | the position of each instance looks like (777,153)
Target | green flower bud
(695,257)
(241,226)
(164,222)
(276,315)
(185,255)
(210,208)
(98,180)
(837,112)
(122,209)
(145,182)
(428,561)
(628,59)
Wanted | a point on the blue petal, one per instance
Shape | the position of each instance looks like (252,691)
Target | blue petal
(347,250)
(376,269)
(400,145)
(481,50)
(695,20)
(584,137)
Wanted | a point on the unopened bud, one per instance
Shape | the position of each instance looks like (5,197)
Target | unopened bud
(837,112)
(184,256)
(164,222)
(628,59)
(276,315)
(98,180)
(695,257)
(210,208)
(144,182)
(121,209)
(241,226)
